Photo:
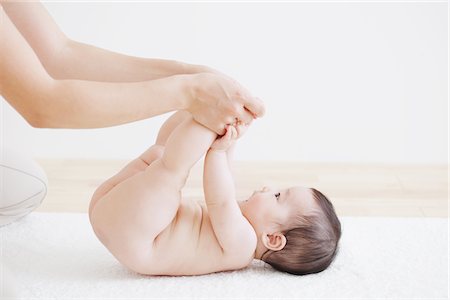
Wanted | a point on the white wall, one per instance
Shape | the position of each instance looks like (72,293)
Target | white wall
(343,82)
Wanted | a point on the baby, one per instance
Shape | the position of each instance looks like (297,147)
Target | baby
(140,216)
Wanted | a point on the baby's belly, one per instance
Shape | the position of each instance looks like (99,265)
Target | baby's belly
(188,245)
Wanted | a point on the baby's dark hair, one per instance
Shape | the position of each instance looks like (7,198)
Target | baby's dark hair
(312,241)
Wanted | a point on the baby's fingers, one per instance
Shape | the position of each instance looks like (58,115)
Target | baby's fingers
(241,130)
(234,133)
(228,134)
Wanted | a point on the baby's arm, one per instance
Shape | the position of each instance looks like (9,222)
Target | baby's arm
(231,228)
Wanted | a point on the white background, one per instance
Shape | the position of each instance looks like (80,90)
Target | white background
(342,82)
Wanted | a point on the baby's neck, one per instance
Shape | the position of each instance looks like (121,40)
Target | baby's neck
(260,249)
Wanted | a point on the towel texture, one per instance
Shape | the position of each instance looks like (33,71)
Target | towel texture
(49,255)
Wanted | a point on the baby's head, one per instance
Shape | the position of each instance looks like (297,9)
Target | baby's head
(298,230)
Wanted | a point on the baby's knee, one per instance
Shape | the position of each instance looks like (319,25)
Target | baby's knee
(172,178)
(153,153)
(24,186)
(158,150)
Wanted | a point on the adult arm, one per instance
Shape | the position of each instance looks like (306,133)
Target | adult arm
(64,58)
(47,102)
(213,99)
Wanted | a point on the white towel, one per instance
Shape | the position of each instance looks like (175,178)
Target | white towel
(56,255)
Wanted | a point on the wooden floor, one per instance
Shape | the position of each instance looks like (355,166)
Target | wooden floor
(355,190)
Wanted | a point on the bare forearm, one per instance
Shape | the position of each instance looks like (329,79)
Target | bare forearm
(230,156)
(64,58)
(82,61)
(218,183)
(89,104)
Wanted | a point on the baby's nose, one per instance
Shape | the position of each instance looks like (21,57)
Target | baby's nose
(265,189)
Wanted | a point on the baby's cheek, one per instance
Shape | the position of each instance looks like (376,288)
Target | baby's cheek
(258,204)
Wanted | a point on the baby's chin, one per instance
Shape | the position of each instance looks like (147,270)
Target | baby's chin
(246,200)
(243,204)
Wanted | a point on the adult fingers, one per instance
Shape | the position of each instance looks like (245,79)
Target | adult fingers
(246,116)
(238,113)
(255,106)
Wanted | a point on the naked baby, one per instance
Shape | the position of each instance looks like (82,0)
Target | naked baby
(141,218)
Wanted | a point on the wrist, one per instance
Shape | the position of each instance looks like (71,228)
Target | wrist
(187,88)
(194,88)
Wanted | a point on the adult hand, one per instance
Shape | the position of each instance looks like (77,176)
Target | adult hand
(218,101)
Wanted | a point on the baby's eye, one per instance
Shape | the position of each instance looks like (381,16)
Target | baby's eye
(277,195)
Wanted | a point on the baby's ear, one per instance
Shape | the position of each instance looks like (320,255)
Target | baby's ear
(275,241)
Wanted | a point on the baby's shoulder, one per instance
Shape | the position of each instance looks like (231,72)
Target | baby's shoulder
(245,245)
(241,246)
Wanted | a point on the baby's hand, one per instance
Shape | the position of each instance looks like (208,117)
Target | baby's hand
(225,141)
(241,128)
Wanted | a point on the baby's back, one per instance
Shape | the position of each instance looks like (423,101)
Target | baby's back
(188,246)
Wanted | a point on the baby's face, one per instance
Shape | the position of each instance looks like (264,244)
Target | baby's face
(269,207)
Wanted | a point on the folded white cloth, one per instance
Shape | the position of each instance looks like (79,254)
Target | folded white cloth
(57,256)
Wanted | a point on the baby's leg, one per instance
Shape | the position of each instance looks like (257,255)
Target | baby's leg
(144,160)
(133,213)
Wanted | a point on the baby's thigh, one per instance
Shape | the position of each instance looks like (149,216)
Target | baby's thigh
(137,165)
(135,212)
